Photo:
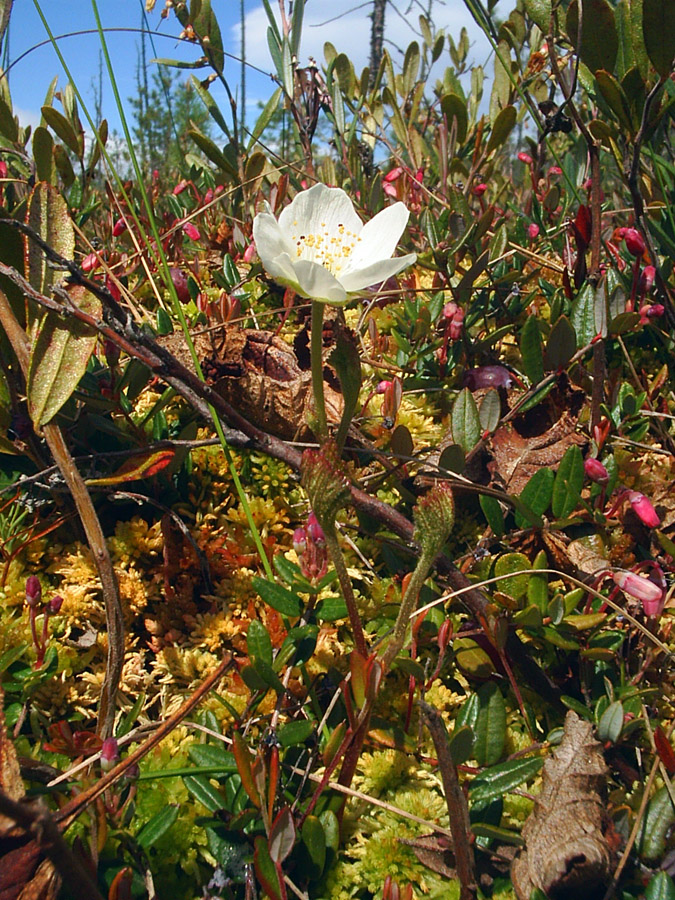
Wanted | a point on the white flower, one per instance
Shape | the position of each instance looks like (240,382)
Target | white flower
(321,249)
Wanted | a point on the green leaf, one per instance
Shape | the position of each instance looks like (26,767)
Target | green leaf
(490,728)
(661,887)
(346,361)
(493,513)
(314,839)
(610,725)
(582,315)
(460,744)
(466,428)
(490,410)
(536,495)
(599,41)
(158,825)
(179,63)
(212,107)
(285,602)
(258,642)
(501,779)
(561,345)
(204,792)
(537,585)
(502,127)
(43,145)
(212,757)
(658,28)
(269,874)
(293,733)
(59,357)
(540,13)
(531,350)
(8,125)
(265,117)
(658,819)
(282,835)
(569,480)
(615,97)
(516,585)
(210,150)
(331,608)
(63,129)
(454,109)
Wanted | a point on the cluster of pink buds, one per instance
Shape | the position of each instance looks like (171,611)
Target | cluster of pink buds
(35,607)
(395,185)
(650,591)
(454,318)
(309,543)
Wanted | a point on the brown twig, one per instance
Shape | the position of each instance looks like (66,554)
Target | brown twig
(458,810)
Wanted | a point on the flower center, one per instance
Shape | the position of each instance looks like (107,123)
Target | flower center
(329,249)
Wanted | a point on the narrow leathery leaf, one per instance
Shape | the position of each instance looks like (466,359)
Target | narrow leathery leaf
(460,744)
(401,444)
(659,818)
(284,601)
(204,792)
(658,28)
(502,778)
(242,758)
(253,680)
(536,495)
(411,67)
(531,350)
(265,117)
(358,668)
(490,728)
(499,243)
(610,725)
(490,410)
(504,836)
(47,215)
(501,128)
(58,358)
(514,585)
(267,871)
(8,124)
(230,271)
(452,459)
(314,839)
(259,642)
(599,42)
(560,346)
(293,733)
(454,109)
(210,104)
(466,427)
(329,609)
(282,835)
(158,825)
(569,480)
(62,128)
(43,145)
(540,13)
(665,750)
(212,756)
(179,63)
(268,675)
(338,108)
(537,585)
(410,667)
(616,99)
(331,829)
(661,887)
(585,621)
(210,150)
(64,165)
(137,468)
(206,26)
(493,513)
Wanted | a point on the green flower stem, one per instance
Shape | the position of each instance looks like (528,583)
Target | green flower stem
(346,586)
(317,371)
(408,603)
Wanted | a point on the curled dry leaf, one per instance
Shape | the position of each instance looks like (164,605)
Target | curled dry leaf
(567,852)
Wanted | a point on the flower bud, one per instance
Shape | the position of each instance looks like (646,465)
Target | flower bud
(109,754)
(555,170)
(480,189)
(191,231)
(651,595)
(533,231)
(250,252)
(90,262)
(646,279)
(33,590)
(643,509)
(299,541)
(525,158)
(180,187)
(595,471)
(314,531)
(327,487)
(383,387)
(54,605)
(393,174)
(180,282)
(119,227)
(634,241)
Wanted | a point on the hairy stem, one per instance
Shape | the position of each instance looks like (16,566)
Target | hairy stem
(406,610)
(347,591)
(317,371)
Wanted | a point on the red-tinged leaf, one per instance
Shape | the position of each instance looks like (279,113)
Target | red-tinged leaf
(135,469)
(582,224)
(665,750)
(358,668)
(268,872)
(242,757)
(282,835)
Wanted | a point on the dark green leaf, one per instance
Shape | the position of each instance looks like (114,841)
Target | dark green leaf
(658,28)
(62,128)
(616,99)
(466,429)
(460,744)
(265,117)
(158,825)
(259,642)
(269,875)
(314,838)
(658,819)
(282,835)
(204,792)
(293,733)
(43,145)
(502,127)
(513,585)
(493,513)
(569,480)
(285,602)
(211,105)
(660,887)
(599,42)
(490,410)
(501,779)
(540,13)
(583,315)
(531,350)
(561,345)
(8,126)
(331,608)
(454,109)
(490,728)
(610,725)
(536,495)
(212,757)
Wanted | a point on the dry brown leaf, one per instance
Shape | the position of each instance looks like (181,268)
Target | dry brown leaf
(567,853)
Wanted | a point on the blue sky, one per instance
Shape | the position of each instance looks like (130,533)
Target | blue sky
(348,30)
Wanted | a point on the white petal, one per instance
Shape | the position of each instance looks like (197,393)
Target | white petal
(270,240)
(375,273)
(379,237)
(319,210)
(317,283)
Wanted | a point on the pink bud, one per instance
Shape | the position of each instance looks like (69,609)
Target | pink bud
(119,227)
(3,169)
(555,170)
(383,387)
(533,231)
(90,262)
(155,174)
(653,311)
(315,531)
(642,589)
(250,252)
(486,377)
(634,241)
(450,309)
(299,541)
(389,189)
(525,158)
(55,605)
(647,279)
(33,590)
(208,196)
(191,231)
(480,189)
(643,509)
(180,282)
(109,753)
(180,187)
(419,176)
(393,174)
(595,470)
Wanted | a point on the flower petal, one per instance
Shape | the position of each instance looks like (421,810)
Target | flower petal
(379,237)
(376,272)
(270,240)
(319,210)
(317,283)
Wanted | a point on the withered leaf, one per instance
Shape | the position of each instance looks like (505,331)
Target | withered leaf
(567,853)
